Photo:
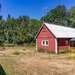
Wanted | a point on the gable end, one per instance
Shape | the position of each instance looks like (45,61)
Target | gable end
(47,29)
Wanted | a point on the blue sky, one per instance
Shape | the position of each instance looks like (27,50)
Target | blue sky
(33,8)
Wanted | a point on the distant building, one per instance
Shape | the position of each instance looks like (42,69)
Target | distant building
(53,38)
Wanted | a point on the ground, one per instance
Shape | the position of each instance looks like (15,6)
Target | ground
(24,60)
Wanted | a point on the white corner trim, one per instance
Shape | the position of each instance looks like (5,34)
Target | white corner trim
(36,45)
(56,51)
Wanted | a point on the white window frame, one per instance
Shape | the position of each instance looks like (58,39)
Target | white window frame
(45,41)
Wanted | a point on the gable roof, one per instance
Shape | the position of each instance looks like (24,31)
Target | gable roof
(61,31)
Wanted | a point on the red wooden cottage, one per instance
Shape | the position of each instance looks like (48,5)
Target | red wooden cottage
(53,37)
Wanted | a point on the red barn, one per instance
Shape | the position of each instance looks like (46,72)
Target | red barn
(54,38)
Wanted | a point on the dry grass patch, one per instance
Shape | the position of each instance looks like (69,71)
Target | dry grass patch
(35,65)
(26,61)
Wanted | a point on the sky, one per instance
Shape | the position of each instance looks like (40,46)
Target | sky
(32,8)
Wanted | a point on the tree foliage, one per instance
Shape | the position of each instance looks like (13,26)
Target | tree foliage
(61,15)
(18,31)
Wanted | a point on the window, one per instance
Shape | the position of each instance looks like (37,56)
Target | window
(45,42)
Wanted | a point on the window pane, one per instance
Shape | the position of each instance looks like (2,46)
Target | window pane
(43,42)
(46,42)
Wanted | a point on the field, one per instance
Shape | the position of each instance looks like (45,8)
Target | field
(24,60)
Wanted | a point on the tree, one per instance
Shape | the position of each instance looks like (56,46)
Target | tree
(56,15)
(71,17)
(33,28)
(24,20)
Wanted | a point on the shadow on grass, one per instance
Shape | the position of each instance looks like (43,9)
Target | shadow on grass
(2,72)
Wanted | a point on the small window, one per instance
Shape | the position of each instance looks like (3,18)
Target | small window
(45,42)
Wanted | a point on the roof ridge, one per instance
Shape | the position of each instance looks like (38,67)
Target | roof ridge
(59,25)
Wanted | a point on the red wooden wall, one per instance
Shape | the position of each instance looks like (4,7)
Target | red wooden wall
(45,34)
